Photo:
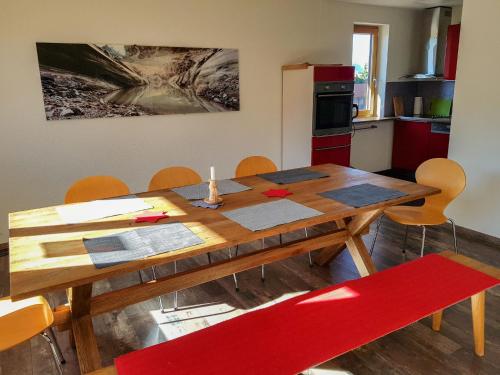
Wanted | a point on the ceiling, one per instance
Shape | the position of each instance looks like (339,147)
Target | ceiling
(408,3)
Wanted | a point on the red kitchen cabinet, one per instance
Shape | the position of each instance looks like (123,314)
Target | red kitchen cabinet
(450,59)
(335,149)
(411,144)
(438,145)
(414,143)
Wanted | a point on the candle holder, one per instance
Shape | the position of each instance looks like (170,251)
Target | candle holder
(213,197)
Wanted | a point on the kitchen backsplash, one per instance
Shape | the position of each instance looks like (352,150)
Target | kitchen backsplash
(410,89)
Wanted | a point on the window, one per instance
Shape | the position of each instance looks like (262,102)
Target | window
(364,59)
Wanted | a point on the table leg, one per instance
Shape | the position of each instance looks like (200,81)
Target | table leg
(331,252)
(328,254)
(360,255)
(87,351)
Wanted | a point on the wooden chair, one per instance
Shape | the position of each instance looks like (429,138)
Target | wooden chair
(95,187)
(444,174)
(172,177)
(22,320)
(254,165)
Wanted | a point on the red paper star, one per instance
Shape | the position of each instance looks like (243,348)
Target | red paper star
(280,193)
(151,217)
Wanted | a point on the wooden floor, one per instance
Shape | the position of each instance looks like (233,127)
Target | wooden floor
(414,350)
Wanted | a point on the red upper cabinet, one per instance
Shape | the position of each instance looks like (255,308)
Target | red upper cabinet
(333,73)
(450,60)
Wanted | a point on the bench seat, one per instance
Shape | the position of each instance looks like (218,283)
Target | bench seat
(310,329)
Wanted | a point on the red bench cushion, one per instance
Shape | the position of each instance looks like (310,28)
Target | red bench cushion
(310,329)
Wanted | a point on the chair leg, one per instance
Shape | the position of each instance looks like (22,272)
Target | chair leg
(423,241)
(162,309)
(140,277)
(405,242)
(454,235)
(51,334)
(176,293)
(477,304)
(309,253)
(209,258)
(234,275)
(376,234)
(262,269)
(56,352)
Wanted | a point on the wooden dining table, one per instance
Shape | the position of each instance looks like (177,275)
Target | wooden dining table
(47,254)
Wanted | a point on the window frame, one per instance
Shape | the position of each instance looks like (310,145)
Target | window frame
(374,32)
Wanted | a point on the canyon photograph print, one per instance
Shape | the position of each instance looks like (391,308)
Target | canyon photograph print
(117,80)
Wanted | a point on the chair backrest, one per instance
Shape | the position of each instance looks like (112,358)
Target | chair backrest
(171,177)
(255,165)
(95,187)
(444,174)
(21,320)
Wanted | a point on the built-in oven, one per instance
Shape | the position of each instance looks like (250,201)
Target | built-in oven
(333,108)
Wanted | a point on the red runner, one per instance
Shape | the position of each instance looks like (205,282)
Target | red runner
(310,329)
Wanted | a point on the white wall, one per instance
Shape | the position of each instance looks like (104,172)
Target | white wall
(40,159)
(475,131)
(456,14)
(336,23)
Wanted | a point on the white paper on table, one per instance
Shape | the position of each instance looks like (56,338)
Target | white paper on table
(81,212)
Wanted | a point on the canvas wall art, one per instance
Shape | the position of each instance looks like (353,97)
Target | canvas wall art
(116,80)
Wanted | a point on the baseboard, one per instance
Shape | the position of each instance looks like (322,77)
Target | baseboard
(478,236)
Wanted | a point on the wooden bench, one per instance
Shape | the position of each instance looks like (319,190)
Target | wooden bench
(310,329)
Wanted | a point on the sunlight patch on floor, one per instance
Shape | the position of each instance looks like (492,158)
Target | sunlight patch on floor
(323,371)
(189,319)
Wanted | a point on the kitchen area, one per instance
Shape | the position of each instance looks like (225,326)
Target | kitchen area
(412,116)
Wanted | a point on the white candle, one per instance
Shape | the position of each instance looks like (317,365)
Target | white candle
(212,173)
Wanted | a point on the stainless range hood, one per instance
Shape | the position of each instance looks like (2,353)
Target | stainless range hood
(435,30)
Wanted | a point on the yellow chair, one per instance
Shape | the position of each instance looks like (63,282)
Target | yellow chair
(168,178)
(99,187)
(172,177)
(95,187)
(254,165)
(22,320)
(444,174)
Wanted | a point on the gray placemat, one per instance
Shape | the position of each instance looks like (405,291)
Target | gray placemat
(268,215)
(200,191)
(363,195)
(136,244)
(293,175)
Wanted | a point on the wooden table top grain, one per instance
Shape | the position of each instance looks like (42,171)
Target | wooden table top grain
(46,254)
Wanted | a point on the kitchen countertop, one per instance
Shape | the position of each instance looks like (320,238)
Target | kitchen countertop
(440,125)
(440,120)
(359,120)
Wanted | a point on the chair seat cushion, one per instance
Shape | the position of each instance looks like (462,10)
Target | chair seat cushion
(312,328)
(410,215)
